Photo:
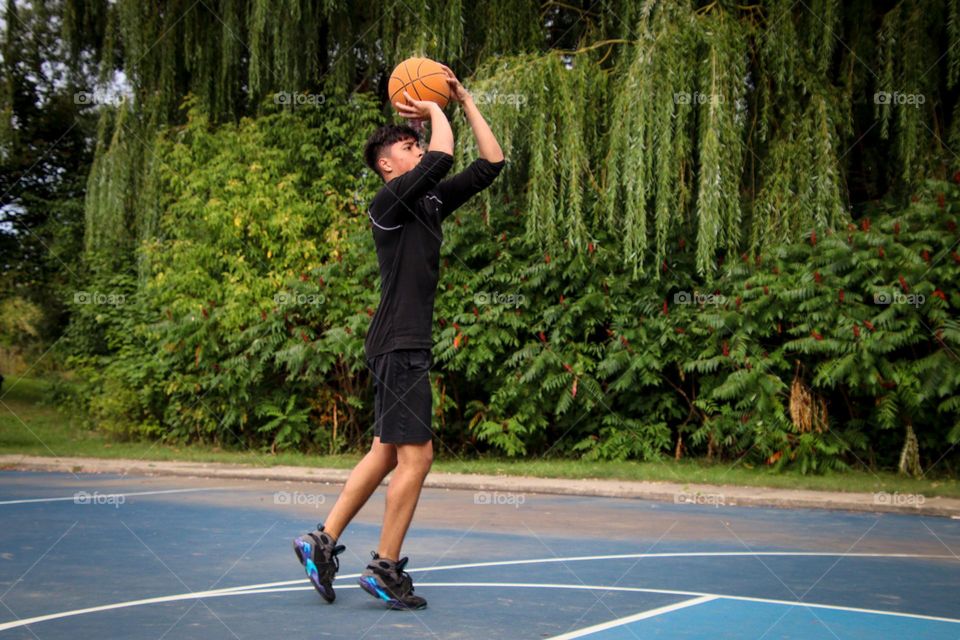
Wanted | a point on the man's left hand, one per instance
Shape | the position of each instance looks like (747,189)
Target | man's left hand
(457,91)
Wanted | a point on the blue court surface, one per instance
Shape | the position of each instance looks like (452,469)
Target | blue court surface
(106,556)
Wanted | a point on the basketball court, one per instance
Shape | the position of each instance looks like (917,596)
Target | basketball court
(92,556)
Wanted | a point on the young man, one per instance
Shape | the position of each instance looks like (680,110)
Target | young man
(405,217)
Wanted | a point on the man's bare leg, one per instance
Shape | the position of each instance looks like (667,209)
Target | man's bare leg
(413,463)
(360,485)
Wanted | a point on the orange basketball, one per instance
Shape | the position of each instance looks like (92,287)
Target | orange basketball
(423,79)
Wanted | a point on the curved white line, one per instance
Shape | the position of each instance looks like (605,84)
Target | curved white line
(102,496)
(631,556)
(279,587)
(382,227)
(596,587)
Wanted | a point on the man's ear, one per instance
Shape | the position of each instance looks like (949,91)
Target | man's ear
(385,166)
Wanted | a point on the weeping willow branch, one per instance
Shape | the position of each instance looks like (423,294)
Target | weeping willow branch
(595,45)
(803,120)
(685,83)
(541,110)
(640,131)
(906,88)
(722,125)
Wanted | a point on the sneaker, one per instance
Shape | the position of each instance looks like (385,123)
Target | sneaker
(317,552)
(386,580)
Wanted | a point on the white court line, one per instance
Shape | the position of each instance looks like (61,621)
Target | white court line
(105,496)
(596,587)
(499,585)
(286,585)
(643,615)
(630,556)
(276,587)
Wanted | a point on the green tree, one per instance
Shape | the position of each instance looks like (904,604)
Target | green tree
(44,160)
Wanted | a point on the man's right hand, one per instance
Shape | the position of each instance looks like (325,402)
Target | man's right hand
(415,109)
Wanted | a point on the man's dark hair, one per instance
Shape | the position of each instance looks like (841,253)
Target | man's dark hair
(384,137)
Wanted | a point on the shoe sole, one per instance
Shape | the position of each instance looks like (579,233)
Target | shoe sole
(304,551)
(370,586)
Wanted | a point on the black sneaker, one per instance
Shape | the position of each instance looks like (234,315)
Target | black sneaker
(317,552)
(386,580)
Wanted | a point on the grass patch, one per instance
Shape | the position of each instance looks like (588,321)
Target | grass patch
(699,472)
(30,425)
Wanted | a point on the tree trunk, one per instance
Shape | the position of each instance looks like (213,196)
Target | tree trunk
(910,454)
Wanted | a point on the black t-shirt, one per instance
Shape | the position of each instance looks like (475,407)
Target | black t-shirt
(405,217)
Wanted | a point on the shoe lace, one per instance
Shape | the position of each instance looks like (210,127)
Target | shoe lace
(332,565)
(336,551)
(406,582)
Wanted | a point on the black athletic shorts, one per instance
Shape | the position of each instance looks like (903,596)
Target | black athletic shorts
(402,397)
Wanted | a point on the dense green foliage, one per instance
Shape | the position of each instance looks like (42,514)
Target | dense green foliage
(700,202)
(220,343)
(250,331)
(44,161)
(736,125)
(592,363)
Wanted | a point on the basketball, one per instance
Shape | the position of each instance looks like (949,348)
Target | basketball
(423,78)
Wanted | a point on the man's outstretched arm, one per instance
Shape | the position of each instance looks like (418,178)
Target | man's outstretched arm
(487,144)
(479,175)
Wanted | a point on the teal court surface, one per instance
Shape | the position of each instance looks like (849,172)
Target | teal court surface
(110,556)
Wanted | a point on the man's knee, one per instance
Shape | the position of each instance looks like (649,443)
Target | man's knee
(415,457)
(385,454)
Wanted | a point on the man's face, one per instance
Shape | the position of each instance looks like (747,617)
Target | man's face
(401,156)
